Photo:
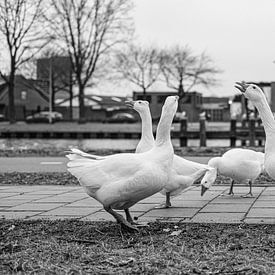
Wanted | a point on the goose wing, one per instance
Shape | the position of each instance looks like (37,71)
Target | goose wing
(95,172)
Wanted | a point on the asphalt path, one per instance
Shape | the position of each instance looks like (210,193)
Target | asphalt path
(48,164)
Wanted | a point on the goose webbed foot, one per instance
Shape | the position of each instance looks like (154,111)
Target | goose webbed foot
(120,219)
(248,195)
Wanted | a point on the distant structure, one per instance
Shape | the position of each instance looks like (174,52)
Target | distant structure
(30,96)
(215,108)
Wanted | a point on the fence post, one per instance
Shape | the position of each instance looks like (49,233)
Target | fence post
(202,132)
(243,127)
(183,132)
(252,133)
(233,132)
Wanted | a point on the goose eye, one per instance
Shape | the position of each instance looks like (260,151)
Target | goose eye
(254,87)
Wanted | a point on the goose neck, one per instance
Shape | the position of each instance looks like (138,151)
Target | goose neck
(147,130)
(266,115)
(163,130)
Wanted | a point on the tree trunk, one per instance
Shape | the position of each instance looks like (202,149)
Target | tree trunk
(52,99)
(143,93)
(12,118)
(71,96)
(181,95)
(82,118)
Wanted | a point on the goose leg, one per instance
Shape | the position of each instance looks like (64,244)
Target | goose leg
(119,218)
(249,194)
(130,219)
(230,193)
(231,188)
(167,203)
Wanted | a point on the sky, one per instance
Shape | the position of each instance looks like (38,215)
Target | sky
(239,35)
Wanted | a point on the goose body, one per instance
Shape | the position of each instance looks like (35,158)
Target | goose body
(241,165)
(119,181)
(184,172)
(257,97)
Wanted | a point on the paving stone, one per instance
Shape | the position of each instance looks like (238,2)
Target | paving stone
(87,202)
(268,192)
(57,199)
(225,208)
(218,218)
(264,203)
(233,200)
(261,213)
(260,220)
(29,197)
(141,207)
(172,212)
(153,200)
(11,202)
(71,211)
(197,196)
(192,204)
(17,214)
(47,192)
(35,207)
(60,202)
(266,198)
(7,194)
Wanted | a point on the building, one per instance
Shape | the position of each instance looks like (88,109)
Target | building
(191,104)
(30,96)
(216,108)
(97,107)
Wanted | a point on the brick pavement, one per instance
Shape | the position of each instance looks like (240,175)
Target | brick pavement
(66,202)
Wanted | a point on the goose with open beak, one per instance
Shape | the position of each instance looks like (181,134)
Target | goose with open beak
(130,103)
(241,86)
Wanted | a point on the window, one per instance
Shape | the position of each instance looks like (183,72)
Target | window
(23,95)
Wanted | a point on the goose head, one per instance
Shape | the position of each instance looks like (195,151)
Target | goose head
(171,105)
(208,179)
(250,91)
(139,105)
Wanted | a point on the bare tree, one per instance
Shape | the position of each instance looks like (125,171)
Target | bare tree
(19,24)
(183,70)
(140,66)
(90,29)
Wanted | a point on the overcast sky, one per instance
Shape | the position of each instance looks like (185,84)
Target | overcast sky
(239,35)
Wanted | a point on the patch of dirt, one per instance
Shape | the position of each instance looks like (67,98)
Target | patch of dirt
(76,247)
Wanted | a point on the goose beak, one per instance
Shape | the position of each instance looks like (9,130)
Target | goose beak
(241,86)
(203,189)
(130,104)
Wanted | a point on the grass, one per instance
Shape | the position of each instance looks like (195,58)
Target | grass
(17,148)
(75,247)
(66,178)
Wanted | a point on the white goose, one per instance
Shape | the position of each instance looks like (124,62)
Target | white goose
(242,165)
(253,93)
(121,180)
(184,172)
